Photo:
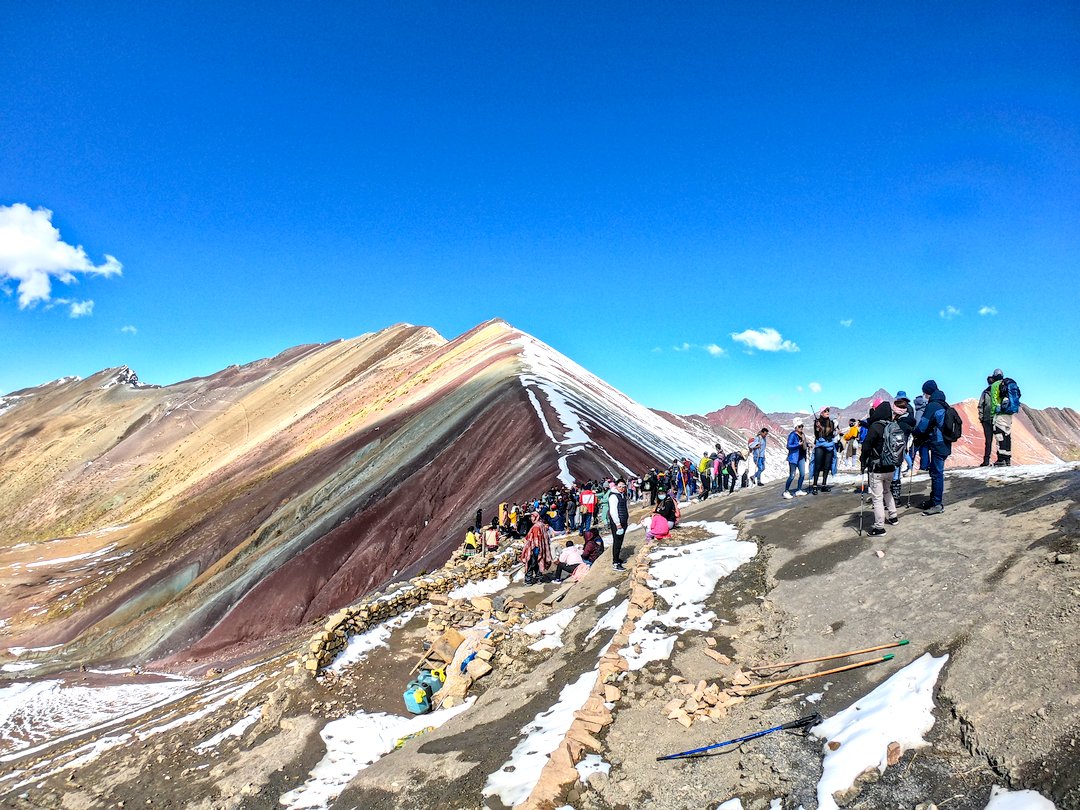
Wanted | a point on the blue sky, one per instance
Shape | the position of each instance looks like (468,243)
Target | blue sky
(635,184)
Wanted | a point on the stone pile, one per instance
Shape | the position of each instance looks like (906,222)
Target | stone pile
(334,635)
(461,613)
(701,701)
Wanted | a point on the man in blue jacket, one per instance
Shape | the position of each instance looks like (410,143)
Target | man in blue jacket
(928,429)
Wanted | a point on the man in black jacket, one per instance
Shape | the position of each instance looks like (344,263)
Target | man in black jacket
(880,470)
(618,521)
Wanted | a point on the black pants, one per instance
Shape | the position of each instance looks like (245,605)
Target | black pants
(704,485)
(616,542)
(560,567)
(988,441)
(822,464)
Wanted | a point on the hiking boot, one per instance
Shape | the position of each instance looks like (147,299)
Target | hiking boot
(986,463)
(618,566)
(813,490)
(875,531)
(826,488)
(892,521)
(787,495)
(925,504)
(936,509)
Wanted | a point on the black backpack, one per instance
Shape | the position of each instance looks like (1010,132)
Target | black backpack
(893,445)
(952,426)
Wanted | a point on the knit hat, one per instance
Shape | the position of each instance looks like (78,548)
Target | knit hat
(929,387)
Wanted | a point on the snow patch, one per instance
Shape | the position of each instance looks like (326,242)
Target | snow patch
(606,596)
(484,587)
(354,743)
(515,780)
(612,620)
(235,730)
(550,629)
(592,763)
(360,645)
(1002,799)
(684,577)
(899,710)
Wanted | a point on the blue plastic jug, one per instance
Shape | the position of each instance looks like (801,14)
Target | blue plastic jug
(432,681)
(417,697)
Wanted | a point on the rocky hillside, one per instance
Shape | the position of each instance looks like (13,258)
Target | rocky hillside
(143,523)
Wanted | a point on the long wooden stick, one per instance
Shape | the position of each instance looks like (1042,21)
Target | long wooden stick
(745,689)
(788,664)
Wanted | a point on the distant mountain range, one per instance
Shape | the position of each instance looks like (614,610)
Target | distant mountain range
(1039,436)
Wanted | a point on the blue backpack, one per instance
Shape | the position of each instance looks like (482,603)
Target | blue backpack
(1009,392)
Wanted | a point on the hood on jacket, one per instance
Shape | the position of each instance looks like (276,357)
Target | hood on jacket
(882,412)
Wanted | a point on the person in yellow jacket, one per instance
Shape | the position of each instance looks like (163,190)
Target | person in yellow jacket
(851,443)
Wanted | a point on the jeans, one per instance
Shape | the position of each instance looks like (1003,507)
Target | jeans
(760,468)
(937,477)
(586,522)
(792,466)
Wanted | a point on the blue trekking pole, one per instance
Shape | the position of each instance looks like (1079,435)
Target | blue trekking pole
(809,721)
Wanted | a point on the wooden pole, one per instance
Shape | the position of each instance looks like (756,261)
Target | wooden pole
(788,664)
(743,690)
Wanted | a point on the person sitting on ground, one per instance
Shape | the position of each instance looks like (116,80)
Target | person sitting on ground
(592,546)
(665,505)
(536,553)
(657,528)
(568,561)
(472,542)
(491,538)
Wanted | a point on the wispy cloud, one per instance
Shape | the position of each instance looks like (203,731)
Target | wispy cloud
(815,387)
(846,322)
(799,388)
(766,339)
(32,254)
(128,330)
(80,309)
(988,310)
(711,348)
(949,312)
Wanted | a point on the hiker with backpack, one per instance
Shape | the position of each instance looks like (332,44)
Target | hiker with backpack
(824,451)
(704,467)
(938,428)
(796,457)
(1004,403)
(730,471)
(757,453)
(879,459)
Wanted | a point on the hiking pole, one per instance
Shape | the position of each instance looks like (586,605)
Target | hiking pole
(862,501)
(743,690)
(788,664)
(803,722)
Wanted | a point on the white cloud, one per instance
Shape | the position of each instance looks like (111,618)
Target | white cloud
(949,312)
(80,309)
(799,388)
(32,254)
(815,387)
(683,348)
(130,330)
(715,351)
(766,340)
(846,322)
(988,310)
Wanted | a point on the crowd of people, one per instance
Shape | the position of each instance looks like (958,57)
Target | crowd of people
(892,438)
